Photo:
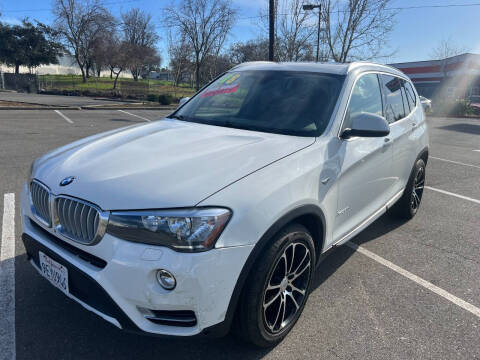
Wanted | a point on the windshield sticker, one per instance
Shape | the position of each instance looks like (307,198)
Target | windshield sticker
(229,78)
(220,91)
(232,79)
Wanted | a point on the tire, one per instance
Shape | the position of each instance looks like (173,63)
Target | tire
(259,309)
(407,206)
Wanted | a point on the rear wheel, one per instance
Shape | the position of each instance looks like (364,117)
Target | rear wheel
(277,288)
(409,203)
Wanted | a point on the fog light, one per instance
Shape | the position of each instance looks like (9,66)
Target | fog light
(166,279)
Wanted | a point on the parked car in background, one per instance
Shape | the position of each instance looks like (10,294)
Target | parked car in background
(217,216)
(426,103)
(475,103)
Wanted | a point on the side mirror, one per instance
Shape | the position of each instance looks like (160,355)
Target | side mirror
(367,125)
(183,101)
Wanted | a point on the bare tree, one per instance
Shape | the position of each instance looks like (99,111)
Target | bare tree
(140,34)
(117,58)
(78,22)
(447,48)
(138,28)
(294,31)
(205,23)
(180,53)
(252,50)
(357,29)
(100,51)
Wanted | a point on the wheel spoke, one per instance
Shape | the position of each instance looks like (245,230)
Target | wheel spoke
(296,275)
(301,262)
(294,288)
(284,257)
(273,287)
(416,200)
(293,299)
(272,300)
(292,259)
(280,307)
(284,303)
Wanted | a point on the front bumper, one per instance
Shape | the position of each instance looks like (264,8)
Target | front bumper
(116,278)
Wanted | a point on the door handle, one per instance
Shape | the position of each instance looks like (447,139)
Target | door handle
(386,140)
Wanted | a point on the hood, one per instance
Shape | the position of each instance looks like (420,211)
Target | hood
(163,164)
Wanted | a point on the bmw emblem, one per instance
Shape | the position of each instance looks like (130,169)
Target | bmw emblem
(67,181)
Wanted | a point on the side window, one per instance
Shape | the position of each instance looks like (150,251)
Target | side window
(410,94)
(392,89)
(366,98)
(407,106)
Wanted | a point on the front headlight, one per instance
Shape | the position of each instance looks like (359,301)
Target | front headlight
(182,230)
(30,172)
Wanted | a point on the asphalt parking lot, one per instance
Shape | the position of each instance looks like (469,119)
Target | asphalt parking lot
(411,292)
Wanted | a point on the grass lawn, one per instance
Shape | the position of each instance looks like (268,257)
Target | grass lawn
(125,86)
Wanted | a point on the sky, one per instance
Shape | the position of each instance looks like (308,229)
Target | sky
(416,30)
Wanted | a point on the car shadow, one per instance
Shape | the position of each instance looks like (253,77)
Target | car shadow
(338,256)
(50,325)
(473,129)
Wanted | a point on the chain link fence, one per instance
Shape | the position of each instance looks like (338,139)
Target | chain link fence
(19,82)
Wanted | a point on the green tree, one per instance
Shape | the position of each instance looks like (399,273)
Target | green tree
(28,45)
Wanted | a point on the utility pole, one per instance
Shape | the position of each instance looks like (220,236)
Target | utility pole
(271,35)
(319,7)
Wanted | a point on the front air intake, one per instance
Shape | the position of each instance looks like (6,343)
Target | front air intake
(182,318)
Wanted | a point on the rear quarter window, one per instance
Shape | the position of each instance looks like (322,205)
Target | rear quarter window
(392,90)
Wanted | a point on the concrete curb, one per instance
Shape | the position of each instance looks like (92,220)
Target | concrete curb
(39,108)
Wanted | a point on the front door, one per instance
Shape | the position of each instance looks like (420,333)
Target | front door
(366,181)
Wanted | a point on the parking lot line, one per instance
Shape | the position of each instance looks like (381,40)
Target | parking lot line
(428,285)
(453,194)
(138,116)
(454,162)
(7,279)
(64,117)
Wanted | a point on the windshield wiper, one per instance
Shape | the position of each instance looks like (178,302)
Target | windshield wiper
(179,117)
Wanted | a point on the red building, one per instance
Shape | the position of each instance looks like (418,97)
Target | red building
(456,77)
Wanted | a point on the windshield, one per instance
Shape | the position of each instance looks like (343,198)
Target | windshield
(285,102)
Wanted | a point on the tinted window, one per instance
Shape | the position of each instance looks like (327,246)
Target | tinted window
(366,98)
(410,94)
(286,102)
(406,102)
(392,88)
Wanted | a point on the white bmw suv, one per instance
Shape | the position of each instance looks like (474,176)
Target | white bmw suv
(216,216)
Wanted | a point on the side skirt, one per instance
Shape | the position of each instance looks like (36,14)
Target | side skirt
(369,220)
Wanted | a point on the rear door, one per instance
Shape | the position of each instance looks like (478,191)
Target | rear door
(365,179)
(400,102)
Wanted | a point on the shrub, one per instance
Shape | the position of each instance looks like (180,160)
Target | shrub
(152,98)
(454,108)
(165,99)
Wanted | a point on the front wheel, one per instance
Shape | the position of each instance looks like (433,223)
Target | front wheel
(277,288)
(409,203)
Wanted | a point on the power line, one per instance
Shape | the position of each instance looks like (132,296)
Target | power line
(49,9)
(260,16)
(388,9)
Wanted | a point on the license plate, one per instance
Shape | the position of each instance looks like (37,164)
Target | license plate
(56,273)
